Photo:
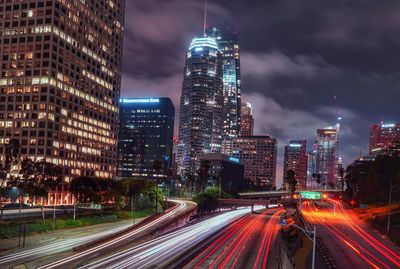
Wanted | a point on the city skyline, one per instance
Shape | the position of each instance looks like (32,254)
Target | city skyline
(291,66)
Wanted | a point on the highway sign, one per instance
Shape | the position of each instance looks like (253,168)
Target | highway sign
(312,195)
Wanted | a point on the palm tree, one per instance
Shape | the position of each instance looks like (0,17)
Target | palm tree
(203,175)
(291,180)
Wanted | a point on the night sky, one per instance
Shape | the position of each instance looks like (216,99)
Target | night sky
(295,56)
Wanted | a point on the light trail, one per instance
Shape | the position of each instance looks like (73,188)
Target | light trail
(160,250)
(248,238)
(115,242)
(363,245)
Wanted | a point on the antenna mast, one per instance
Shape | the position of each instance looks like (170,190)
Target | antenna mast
(205,18)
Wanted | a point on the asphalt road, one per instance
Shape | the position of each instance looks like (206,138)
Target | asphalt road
(160,251)
(351,243)
(246,243)
(45,256)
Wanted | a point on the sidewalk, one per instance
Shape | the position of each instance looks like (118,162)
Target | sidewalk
(91,232)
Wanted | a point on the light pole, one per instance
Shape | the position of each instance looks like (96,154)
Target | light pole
(307,233)
(390,199)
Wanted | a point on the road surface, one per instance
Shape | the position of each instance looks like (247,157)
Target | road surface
(42,255)
(160,251)
(246,243)
(351,243)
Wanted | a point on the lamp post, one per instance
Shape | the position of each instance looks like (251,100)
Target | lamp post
(390,198)
(307,233)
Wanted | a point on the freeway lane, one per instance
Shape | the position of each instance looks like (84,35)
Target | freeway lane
(43,254)
(351,243)
(160,251)
(245,243)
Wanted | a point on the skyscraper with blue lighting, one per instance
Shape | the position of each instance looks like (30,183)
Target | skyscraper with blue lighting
(145,137)
(201,104)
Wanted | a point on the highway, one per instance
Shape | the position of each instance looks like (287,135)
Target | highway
(246,243)
(39,253)
(160,251)
(351,243)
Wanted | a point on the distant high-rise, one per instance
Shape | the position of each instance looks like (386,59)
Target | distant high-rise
(295,159)
(247,120)
(327,155)
(258,154)
(145,137)
(200,119)
(60,83)
(383,138)
(228,44)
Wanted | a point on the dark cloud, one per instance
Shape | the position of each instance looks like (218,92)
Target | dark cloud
(296,55)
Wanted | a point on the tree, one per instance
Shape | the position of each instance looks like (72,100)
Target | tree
(341,174)
(203,176)
(319,175)
(292,181)
(206,201)
(11,158)
(85,189)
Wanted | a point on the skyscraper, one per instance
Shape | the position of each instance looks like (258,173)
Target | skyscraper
(383,137)
(145,137)
(228,44)
(327,155)
(295,159)
(258,154)
(247,120)
(60,82)
(200,119)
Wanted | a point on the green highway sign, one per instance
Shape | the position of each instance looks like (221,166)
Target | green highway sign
(312,195)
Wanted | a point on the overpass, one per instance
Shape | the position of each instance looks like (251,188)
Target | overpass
(277,194)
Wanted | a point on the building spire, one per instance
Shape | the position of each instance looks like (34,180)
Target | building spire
(205,18)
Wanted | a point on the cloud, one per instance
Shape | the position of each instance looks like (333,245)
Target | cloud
(285,123)
(275,63)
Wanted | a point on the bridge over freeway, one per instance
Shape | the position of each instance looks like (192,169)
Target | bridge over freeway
(278,194)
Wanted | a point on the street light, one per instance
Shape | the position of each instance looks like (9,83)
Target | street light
(390,199)
(307,233)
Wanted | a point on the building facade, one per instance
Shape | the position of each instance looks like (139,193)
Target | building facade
(258,154)
(145,137)
(60,83)
(327,155)
(201,105)
(295,159)
(228,44)
(247,120)
(384,138)
(225,172)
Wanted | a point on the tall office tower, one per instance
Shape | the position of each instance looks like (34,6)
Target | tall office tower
(383,138)
(258,154)
(247,120)
(295,159)
(228,44)
(311,168)
(60,82)
(200,119)
(326,158)
(145,137)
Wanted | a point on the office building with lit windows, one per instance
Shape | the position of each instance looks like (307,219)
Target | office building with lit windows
(258,154)
(295,158)
(326,146)
(145,136)
(247,120)
(228,44)
(384,138)
(60,83)
(200,118)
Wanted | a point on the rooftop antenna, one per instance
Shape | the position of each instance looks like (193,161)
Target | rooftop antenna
(205,18)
